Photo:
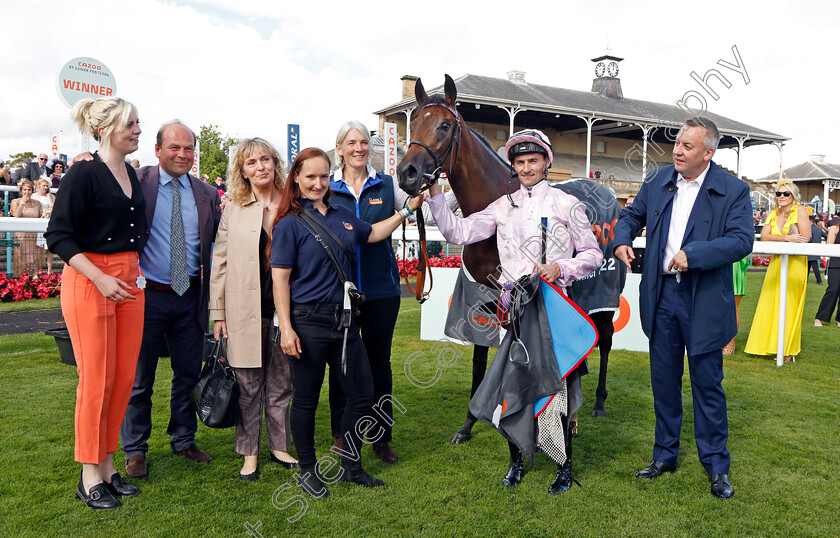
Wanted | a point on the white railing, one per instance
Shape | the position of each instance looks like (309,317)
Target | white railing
(13,224)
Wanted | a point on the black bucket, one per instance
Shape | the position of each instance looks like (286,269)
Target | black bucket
(65,347)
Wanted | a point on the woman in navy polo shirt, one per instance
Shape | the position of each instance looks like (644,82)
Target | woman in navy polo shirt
(309,296)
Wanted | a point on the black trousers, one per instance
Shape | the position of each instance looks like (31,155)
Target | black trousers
(829,302)
(376,323)
(321,343)
(815,266)
(174,319)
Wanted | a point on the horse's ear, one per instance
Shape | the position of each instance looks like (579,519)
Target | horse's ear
(450,90)
(420,93)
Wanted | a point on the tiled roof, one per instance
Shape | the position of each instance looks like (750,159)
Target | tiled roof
(490,90)
(808,170)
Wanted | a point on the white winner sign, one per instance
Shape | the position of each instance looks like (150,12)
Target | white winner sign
(84,78)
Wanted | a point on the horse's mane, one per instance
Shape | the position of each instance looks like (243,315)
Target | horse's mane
(483,139)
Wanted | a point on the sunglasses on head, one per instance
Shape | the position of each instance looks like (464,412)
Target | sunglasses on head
(786,194)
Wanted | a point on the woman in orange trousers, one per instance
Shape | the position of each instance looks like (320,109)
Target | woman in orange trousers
(98,227)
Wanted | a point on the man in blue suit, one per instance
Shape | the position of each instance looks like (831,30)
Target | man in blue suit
(699,221)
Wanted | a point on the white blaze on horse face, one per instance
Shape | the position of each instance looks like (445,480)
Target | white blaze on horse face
(530,167)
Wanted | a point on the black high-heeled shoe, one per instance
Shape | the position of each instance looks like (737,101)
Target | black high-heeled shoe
(98,498)
(286,464)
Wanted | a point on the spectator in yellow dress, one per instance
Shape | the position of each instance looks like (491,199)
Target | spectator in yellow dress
(787,222)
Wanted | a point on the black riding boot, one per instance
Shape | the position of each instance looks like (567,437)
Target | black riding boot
(514,473)
(563,480)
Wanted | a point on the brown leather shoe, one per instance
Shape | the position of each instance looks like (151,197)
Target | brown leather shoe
(338,445)
(383,452)
(196,454)
(136,467)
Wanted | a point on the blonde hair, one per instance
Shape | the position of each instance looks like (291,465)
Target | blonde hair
(43,180)
(238,186)
(790,185)
(110,113)
(25,183)
(346,127)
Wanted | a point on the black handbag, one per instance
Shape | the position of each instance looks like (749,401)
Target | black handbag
(216,396)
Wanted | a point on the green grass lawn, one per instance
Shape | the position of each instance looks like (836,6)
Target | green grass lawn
(31,304)
(783,440)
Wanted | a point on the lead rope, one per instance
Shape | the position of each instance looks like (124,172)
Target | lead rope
(422,265)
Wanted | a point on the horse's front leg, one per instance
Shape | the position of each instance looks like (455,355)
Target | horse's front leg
(464,433)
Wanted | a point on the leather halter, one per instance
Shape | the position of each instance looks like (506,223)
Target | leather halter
(454,144)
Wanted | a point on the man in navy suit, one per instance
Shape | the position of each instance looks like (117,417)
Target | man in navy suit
(699,222)
(177,294)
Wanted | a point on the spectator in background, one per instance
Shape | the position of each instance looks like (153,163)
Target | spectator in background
(135,163)
(58,172)
(47,199)
(817,236)
(739,285)
(26,170)
(220,184)
(597,173)
(830,300)
(5,175)
(25,207)
(787,223)
(43,167)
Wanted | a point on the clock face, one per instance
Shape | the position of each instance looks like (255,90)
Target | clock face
(612,69)
(599,69)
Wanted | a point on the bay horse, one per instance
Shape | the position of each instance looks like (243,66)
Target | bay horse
(442,141)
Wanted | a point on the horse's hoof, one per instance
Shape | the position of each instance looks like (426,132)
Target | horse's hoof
(598,410)
(460,438)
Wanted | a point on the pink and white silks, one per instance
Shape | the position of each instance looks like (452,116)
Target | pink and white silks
(570,241)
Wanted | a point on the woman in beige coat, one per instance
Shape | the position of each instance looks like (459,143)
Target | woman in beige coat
(242,303)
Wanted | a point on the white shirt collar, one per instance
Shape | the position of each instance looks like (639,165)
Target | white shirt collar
(698,181)
(338,175)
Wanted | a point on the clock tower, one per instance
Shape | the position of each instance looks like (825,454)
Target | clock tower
(607,82)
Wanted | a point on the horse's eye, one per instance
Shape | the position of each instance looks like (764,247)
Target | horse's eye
(444,126)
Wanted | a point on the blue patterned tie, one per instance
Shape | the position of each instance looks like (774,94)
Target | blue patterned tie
(177,246)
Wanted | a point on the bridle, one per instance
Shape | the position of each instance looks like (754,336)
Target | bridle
(453,150)
(452,153)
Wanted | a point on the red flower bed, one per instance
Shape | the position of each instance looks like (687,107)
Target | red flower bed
(410,266)
(760,261)
(25,287)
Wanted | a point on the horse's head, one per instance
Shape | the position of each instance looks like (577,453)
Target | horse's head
(435,130)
